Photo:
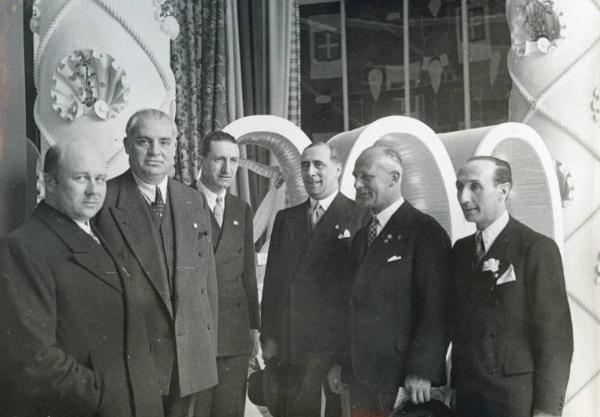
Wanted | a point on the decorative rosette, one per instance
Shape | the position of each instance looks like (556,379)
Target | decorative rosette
(34,23)
(596,104)
(165,15)
(89,82)
(536,27)
(566,183)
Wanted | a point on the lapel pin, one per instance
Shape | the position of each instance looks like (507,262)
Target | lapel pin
(336,227)
(195,225)
(236,223)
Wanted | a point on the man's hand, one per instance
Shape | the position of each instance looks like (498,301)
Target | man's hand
(417,389)
(269,349)
(538,413)
(334,378)
(254,343)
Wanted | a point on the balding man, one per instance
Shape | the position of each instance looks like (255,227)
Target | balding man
(161,231)
(73,341)
(397,336)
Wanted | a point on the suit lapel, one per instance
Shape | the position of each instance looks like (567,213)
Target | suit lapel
(387,243)
(86,252)
(185,243)
(133,219)
(299,226)
(334,215)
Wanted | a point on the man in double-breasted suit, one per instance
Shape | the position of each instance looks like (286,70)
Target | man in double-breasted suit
(306,285)
(233,241)
(73,339)
(397,334)
(160,230)
(511,331)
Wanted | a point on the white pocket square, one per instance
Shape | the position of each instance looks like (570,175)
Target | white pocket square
(344,235)
(394,258)
(507,276)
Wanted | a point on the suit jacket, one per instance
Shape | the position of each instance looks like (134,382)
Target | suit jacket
(512,342)
(182,322)
(236,275)
(399,300)
(306,283)
(74,342)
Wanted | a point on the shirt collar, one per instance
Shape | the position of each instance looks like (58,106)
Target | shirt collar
(386,214)
(211,196)
(149,190)
(490,233)
(324,203)
(85,226)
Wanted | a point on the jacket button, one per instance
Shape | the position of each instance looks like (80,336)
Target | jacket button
(493,335)
(492,371)
(201,290)
(208,326)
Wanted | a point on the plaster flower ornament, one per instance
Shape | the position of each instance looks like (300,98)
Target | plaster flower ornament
(492,265)
(536,27)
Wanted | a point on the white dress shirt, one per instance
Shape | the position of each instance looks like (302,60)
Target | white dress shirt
(211,196)
(149,190)
(386,214)
(490,233)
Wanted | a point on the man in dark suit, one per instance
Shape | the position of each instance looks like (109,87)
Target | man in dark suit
(160,230)
(397,333)
(305,283)
(511,332)
(233,241)
(73,338)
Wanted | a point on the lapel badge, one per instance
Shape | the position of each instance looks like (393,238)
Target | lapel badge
(236,223)
(195,225)
(387,239)
(336,227)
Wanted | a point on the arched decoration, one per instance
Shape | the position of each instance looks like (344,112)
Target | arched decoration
(535,197)
(283,138)
(428,180)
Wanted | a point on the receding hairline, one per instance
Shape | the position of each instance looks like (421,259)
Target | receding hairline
(333,153)
(55,155)
(136,118)
(391,156)
(502,169)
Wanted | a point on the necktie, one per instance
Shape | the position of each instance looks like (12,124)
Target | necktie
(316,215)
(479,246)
(158,206)
(218,211)
(372,233)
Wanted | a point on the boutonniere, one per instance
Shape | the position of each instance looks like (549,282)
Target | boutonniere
(492,265)
(345,234)
(236,223)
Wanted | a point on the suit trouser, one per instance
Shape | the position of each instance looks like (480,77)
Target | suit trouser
(370,400)
(301,388)
(228,399)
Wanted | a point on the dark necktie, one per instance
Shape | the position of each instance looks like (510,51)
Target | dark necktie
(479,246)
(372,233)
(158,206)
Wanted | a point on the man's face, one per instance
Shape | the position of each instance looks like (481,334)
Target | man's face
(79,186)
(376,186)
(482,201)
(151,150)
(220,165)
(319,173)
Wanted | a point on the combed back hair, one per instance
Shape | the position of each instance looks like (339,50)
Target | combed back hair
(215,136)
(390,153)
(131,129)
(503,172)
(333,153)
(52,160)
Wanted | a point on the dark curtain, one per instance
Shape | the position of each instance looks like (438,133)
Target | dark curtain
(198,62)
(252,15)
